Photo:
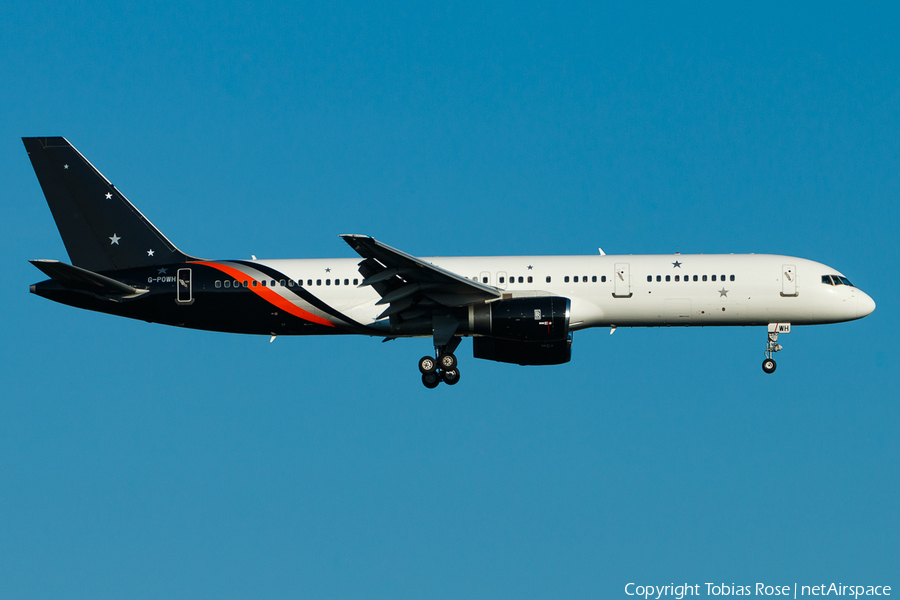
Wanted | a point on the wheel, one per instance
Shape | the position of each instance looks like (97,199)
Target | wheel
(427,364)
(769,365)
(451,377)
(447,361)
(431,380)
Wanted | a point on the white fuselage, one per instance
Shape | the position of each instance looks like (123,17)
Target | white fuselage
(624,290)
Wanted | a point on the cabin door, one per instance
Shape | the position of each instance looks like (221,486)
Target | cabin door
(788,280)
(622,278)
(185,290)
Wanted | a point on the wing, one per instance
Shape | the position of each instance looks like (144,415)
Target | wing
(411,286)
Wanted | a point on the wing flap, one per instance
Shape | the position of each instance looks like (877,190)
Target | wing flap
(406,282)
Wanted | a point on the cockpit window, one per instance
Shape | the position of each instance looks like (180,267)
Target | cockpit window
(836,280)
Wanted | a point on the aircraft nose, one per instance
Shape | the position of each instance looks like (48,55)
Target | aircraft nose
(864,304)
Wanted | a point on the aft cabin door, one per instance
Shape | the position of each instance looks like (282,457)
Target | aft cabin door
(185,291)
(788,280)
(622,278)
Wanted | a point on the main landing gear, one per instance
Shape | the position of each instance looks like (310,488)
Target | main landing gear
(441,368)
(773,346)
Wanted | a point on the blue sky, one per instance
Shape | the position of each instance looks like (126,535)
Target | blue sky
(142,461)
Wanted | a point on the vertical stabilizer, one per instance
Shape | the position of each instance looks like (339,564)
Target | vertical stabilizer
(101,229)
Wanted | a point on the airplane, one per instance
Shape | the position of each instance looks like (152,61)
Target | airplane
(517,309)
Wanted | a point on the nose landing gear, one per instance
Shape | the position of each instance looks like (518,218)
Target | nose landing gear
(773,346)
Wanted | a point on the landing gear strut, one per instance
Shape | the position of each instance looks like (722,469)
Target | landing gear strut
(443,367)
(773,346)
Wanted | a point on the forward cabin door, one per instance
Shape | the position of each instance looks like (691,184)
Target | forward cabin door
(622,278)
(788,280)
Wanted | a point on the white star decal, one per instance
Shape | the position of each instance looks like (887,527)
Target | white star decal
(723,292)
(114,240)
(65,166)
(108,196)
(149,252)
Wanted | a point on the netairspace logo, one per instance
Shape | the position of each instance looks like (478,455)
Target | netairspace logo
(678,592)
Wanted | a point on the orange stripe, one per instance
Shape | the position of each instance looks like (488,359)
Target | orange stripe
(267,294)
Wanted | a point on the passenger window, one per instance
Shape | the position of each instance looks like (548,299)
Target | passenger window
(722,278)
(228,283)
(603,279)
(668,278)
(548,279)
(530,279)
(337,282)
(704,278)
(659,278)
(255,283)
(732,278)
(695,278)
(594,279)
(346,282)
(521,279)
(503,280)
(318,282)
(282,283)
(484,280)
(263,283)
(218,283)
(649,277)
(246,283)
(713,277)
(309,282)
(677,278)
(566,279)
(356,282)
(327,282)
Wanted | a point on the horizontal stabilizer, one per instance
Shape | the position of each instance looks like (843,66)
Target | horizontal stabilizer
(82,280)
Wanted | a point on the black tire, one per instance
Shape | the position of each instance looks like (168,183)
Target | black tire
(431,380)
(447,362)
(427,364)
(769,365)
(451,377)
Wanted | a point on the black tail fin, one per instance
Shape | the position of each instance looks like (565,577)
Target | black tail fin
(101,229)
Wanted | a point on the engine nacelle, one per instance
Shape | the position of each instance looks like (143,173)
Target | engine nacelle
(551,352)
(540,319)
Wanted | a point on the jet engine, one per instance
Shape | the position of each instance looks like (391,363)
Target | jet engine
(524,331)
